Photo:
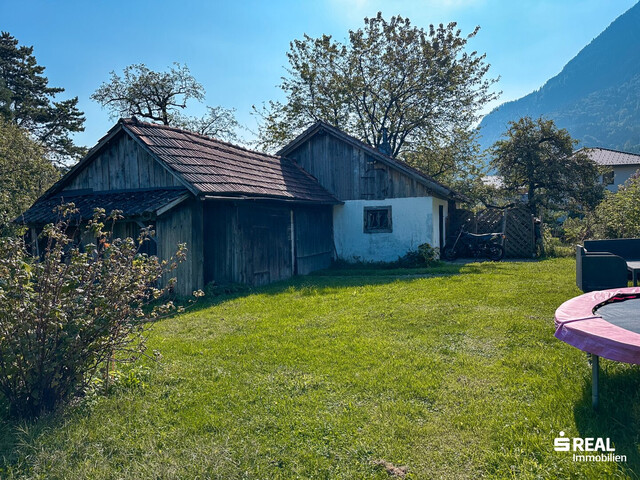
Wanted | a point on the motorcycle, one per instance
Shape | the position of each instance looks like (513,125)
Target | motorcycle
(487,245)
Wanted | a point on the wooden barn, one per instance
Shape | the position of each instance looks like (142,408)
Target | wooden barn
(387,207)
(246,217)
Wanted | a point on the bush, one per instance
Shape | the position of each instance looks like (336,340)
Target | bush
(618,216)
(74,310)
(429,254)
(425,256)
(553,246)
(576,230)
(411,259)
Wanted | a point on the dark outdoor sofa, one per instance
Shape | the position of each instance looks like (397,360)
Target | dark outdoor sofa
(602,264)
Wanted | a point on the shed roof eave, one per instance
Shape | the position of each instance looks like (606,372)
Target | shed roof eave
(272,199)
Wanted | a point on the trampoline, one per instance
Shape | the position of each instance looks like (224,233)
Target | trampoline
(605,324)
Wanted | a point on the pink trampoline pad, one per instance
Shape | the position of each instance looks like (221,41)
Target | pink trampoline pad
(578,325)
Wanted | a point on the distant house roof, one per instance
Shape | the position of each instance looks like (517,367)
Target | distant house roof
(209,167)
(605,156)
(320,126)
(136,203)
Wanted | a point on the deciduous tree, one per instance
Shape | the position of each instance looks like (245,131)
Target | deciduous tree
(25,172)
(422,86)
(537,158)
(162,97)
(157,96)
(218,122)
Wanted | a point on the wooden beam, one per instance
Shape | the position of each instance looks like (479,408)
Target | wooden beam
(172,204)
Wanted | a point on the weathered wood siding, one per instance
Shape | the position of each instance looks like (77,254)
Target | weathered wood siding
(183,224)
(350,173)
(122,164)
(246,243)
(314,238)
(251,242)
(265,252)
(124,229)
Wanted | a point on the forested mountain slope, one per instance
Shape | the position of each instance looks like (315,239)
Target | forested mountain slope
(596,96)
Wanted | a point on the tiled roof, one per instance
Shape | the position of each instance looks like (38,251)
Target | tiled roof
(218,168)
(407,169)
(132,203)
(605,156)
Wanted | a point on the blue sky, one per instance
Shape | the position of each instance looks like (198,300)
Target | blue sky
(237,49)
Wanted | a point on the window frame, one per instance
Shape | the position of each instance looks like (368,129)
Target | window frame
(367,229)
(608,178)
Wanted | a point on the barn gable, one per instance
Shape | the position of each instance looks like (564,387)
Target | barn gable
(118,162)
(352,170)
(139,155)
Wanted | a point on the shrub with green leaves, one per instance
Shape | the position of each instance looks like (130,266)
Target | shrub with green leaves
(424,256)
(576,230)
(74,309)
(553,247)
(429,254)
(618,216)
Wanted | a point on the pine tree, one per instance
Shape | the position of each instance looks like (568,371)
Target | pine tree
(27,100)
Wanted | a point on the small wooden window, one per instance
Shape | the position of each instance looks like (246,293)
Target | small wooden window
(377,220)
(607,178)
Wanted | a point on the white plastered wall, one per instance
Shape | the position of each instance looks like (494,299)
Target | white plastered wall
(414,221)
(621,173)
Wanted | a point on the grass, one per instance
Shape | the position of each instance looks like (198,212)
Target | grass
(454,376)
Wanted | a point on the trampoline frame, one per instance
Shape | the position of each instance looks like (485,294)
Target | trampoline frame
(578,325)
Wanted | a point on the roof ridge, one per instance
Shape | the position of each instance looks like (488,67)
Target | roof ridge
(612,150)
(136,122)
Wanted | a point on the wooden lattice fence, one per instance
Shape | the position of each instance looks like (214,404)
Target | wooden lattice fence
(516,223)
(520,233)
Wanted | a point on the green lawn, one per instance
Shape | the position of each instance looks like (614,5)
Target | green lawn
(455,375)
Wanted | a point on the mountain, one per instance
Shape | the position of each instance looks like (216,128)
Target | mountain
(596,96)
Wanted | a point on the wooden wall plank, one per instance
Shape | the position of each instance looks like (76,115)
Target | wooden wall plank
(183,224)
(313,238)
(122,164)
(246,242)
(350,173)
(143,170)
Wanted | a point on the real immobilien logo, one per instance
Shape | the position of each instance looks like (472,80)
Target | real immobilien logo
(588,444)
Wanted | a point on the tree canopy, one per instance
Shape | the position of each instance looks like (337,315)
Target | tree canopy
(149,94)
(25,172)
(27,100)
(161,97)
(537,158)
(218,122)
(422,86)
